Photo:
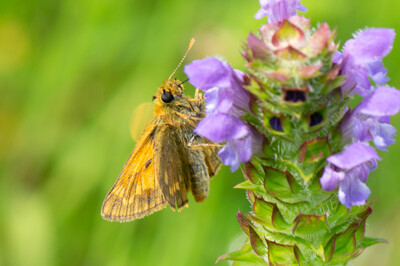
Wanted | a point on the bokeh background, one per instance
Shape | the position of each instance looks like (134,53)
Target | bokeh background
(71,74)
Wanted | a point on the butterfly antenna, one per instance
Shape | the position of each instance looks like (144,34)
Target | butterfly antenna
(184,56)
(183,82)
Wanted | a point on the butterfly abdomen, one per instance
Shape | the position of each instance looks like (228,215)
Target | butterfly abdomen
(199,178)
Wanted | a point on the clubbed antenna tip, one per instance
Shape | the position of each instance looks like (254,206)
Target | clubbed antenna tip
(184,56)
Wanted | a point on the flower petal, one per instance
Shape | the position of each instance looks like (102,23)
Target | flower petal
(372,165)
(222,127)
(352,191)
(208,73)
(337,57)
(362,57)
(377,72)
(236,152)
(370,45)
(361,171)
(383,101)
(383,137)
(331,178)
(301,7)
(260,14)
(361,129)
(279,10)
(354,155)
(218,100)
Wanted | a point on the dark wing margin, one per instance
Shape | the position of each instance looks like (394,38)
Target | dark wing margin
(171,166)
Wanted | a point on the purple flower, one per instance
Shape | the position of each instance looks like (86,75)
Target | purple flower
(223,86)
(370,119)
(226,101)
(362,59)
(236,151)
(221,127)
(349,170)
(279,10)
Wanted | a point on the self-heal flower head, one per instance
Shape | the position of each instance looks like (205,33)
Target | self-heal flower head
(362,59)
(349,170)
(294,96)
(226,101)
(370,119)
(278,10)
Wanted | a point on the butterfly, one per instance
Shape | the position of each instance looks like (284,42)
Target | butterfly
(168,161)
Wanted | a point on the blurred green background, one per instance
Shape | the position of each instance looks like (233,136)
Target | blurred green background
(71,74)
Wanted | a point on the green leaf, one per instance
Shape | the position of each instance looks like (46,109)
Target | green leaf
(264,211)
(250,186)
(245,255)
(343,216)
(310,224)
(339,215)
(279,184)
(281,254)
(343,259)
(259,247)
(245,263)
(320,251)
(329,249)
(359,234)
(244,222)
(278,221)
(346,242)
(314,150)
(251,119)
(269,214)
(362,212)
(254,172)
(370,241)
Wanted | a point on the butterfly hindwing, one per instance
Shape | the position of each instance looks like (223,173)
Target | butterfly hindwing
(211,157)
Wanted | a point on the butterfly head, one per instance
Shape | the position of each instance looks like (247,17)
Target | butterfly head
(168,94)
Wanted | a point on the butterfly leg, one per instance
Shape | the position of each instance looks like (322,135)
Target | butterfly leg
(189,117)
(195,143)
(206,145)
(198,95)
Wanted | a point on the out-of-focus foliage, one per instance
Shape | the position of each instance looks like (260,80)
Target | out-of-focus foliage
(71,74)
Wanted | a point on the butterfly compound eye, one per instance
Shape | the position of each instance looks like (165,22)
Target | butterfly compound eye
(167,97)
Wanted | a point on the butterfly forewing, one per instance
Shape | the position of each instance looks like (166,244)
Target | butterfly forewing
(137,192)
(172,166)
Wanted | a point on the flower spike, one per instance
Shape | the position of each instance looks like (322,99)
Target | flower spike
(307,154)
